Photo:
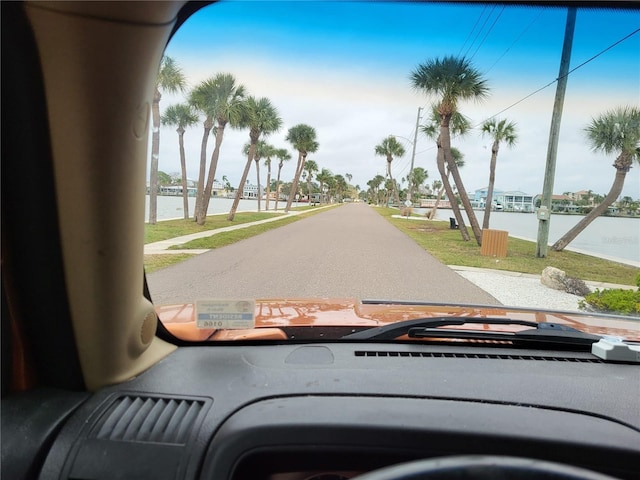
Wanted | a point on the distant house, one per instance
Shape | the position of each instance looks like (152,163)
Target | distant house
(251,191)
(512,201)
(479,199)
(517,202)
(559,203)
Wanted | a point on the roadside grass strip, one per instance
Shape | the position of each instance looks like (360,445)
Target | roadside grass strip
(447,246)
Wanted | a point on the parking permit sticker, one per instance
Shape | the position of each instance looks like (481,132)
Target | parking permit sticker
(226,314)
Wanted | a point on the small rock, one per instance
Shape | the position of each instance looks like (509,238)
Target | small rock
(553,278)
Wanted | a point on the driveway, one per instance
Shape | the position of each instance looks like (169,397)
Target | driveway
(349,251)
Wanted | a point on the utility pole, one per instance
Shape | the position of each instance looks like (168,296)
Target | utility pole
(413,155)
(544,212)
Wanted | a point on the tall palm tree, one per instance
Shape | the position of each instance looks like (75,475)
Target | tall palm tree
(303,139)
(222,100)
(615,131)
(269,151)
(459,126)
(261,118)
(202,98)
(501,131)
(283,155)
(181,116)
(310,167)
(390,148)
(259,154)
(323,178)
(169,79)
(452,79)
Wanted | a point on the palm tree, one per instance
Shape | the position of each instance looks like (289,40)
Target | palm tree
(389,148)
(341,186)
(452,79)
(459,126)
(374,184)
(323,178)
(222,100)
(181,116)
(615,131)
(418,176)
(269,151)
(283,155)
(499,131)
(261,117)
(303,139)
(169,79)
(310,167)
(260,152)
(202,98)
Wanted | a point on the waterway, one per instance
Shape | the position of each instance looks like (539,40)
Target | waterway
(614,238)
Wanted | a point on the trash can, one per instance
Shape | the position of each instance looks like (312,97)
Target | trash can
(494,243)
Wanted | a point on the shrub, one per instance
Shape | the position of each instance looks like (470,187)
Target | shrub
(615,300)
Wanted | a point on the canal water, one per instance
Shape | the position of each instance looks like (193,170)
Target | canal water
(615,238)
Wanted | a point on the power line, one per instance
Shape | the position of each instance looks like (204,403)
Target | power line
(480,31)
(488,32)
(515,41)
(472,30)
(626,37)
(563,76)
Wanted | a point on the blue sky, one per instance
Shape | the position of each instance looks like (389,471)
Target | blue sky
(344,69)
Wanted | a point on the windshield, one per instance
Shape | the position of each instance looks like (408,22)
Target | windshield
(321,168)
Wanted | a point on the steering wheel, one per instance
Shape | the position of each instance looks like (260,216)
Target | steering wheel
(482,467)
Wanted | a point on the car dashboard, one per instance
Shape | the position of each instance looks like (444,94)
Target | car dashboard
(338,410)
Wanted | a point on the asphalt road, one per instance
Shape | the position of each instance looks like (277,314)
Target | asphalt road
(343,252)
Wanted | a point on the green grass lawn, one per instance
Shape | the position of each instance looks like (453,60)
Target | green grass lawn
(448,247)
(164,230)
(226,238)
(156,262)
(176,228)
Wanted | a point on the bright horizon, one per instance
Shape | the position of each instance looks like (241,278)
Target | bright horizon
(344,69)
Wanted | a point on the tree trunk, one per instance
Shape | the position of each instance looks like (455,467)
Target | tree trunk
(239,192)
(452,199)
(492,179)
(208,124)
(296,179)
(395,188)
(611,197)
(183,172)
(155,152)
(201,216)
(453,168)
(432,213)
(257,160)
(278,185)
(266,201)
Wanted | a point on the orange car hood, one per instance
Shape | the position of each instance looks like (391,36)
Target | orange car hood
(318,316)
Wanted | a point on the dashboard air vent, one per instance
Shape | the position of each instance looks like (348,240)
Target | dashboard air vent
(149,419)
(489,356)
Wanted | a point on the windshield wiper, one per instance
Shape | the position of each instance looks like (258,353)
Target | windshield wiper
(543,332)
